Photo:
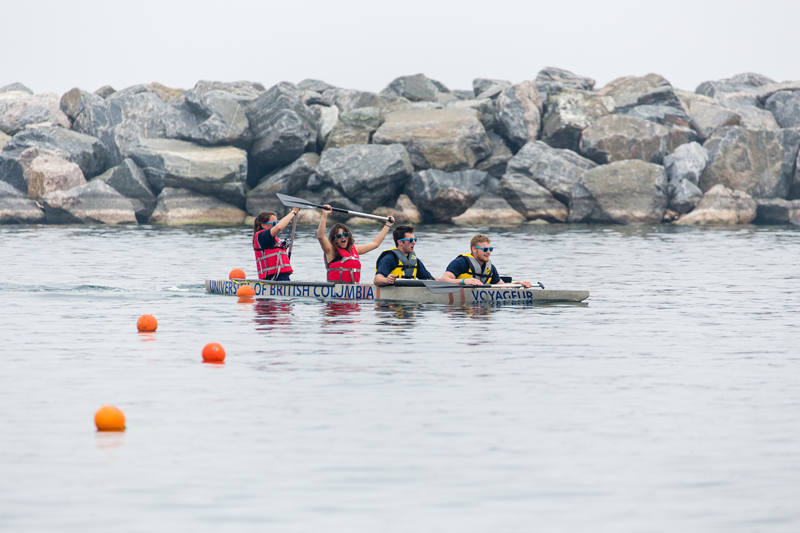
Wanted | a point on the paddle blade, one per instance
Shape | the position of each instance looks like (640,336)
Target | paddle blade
(441,287)
(291,201)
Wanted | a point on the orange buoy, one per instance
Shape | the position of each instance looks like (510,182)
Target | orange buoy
(213,352)
(109,418)
(245,290)
(237,273)
(147,323)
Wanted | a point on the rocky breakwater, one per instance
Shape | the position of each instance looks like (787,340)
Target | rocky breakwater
(552,149)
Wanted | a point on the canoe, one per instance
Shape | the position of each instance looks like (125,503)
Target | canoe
(403,291)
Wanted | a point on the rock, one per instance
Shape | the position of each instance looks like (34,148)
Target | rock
(51,173)
(283,127)
(463,95)
(624,192)
(219,171)
(16,208)
(748,82)
(15,87)
(649,90)
(706,116)
(405,212)
(485,107)
(766,91)
(105,91)
(344,135)
(554,169)
(758,162)
(785,107)
(686,163)
(497,161)
(417,88)
(130,181)
(220,119)
(19,109)
(182,206)
(93,202)
(347,99)
(618,138)
(4,140)
(489,210)
(369,118)
(287,180)
(552,80)
(683,196)
(370,175)
(721,205)
(327,118)
(794,188)
(481,85)
(660,114)
(774,211)
(243,92)
(530,199)
(678,136)
(440,195)
(569,112)
(318,86)
(519,113)
(634,85)
(445,139)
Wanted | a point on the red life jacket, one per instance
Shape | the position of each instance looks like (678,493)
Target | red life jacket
(346,269)
(271,261)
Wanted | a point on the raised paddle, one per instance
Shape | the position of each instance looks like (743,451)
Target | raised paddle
(291,201)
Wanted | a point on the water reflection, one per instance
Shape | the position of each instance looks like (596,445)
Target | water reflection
(337,314)
(396,314)
(273,314)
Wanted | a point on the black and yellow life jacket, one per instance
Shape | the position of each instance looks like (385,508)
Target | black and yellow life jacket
(475,271)
(406,266)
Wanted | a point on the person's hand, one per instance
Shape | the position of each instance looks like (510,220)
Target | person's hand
(390,279)
(526,284)
(296,210)
(472,281)
(327,209)
(390,222)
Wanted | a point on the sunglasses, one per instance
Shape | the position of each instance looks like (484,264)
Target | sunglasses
(485,248)
(340,235)
(414,239)
(271,223)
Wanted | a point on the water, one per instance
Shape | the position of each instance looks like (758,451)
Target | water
(669,403)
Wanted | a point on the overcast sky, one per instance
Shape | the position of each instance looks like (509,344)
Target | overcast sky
(52,46)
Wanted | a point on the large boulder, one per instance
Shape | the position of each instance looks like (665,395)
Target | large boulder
(16,208)
(652,90)
(370,175)
(687,163)
(489,210)
(287,180)
(50,173)
(485,106)
(531,200)
(4,140)
(683,196)
(776,211)
(355,127)
(618,138)
(182,206)
(440,195)
(243,92)
(417,88)
(624,192)
(555,169)
(327,118)
(15,87)
(130,181)
(721,205)
(758,162)
(519,113)
(706,115)
(219,171)
(480,86)
(748,82)
(348,99)
(785,107)
(405,212)
(91,203)
(552,80)
(19,109)
(318,86)
(445,139)
(497,161)
(219,118)
(283,127)
(569,112)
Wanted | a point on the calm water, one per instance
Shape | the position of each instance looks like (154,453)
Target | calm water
(671,402)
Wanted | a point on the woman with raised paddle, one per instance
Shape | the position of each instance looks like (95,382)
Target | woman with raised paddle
(272,258)
(342,255)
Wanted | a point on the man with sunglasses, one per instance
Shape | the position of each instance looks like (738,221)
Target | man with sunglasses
(476,268)
(401,261)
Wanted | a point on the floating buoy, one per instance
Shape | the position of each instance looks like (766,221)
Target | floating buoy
(109,418)
(147,323)
(237,273)
(245,290)
(213,352)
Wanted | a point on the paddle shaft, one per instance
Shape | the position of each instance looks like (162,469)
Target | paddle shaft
(354,213)
(291,201)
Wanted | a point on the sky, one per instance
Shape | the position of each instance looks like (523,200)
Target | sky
(53,46)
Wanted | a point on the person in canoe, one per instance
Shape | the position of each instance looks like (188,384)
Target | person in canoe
(272,258)
(342,255)
(400,262)
(476,268)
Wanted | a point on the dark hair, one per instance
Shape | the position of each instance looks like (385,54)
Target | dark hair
(262,218)
(400,232)
(335,242)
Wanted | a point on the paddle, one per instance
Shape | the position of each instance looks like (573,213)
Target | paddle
(444,287)
(291,201)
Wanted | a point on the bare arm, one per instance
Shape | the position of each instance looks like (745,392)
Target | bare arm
(326,245)
(282,223)
(380,279)
(364,248)
(449,276)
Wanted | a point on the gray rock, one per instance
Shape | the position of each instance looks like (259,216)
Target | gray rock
(569,112)
(370,175)
(630,87)
(344,135)
(480,85)
(287,180)
(618,138)
(182,206)
(721,205)
(219,171)
(776,211)
(551,80)
(283,127)
(405,212)
(243,92)
(130,181)
(4,140)
(683,196)
(16,208)
(446,139)
(660,114)
(489,210)
(317,86)
(105,91)
(327,118)
(794,188)
(91,203)
(369,118)
(707,117)
(766,91)
(785,107)
(463,95)
(347,99)
(440,195)
(748,82)
(19,109)
(50,173)
(519,113)
(556,170)
(219,117)
(624,192)
(484,106)
(758,162)
(417,88)
(686,163)
(678,136)
(15,87)
(532,200)
(498,160)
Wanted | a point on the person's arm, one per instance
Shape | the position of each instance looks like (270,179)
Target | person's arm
(364,248)
(452,274)
(282,223)
(326,245)
(496,276)
(382,276)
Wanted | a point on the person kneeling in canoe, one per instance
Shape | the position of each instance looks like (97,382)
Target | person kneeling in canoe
(400,262)
(272,259)
(342,255)
(476,268)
